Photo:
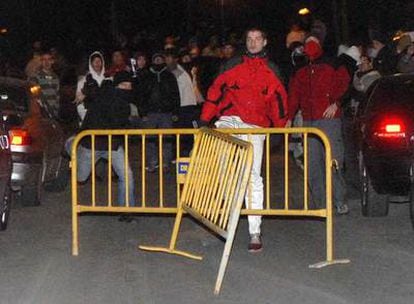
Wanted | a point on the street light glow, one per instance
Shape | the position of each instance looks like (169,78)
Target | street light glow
(304,11)
(3,31)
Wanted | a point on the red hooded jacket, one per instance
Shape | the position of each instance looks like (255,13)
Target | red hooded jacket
(250,90)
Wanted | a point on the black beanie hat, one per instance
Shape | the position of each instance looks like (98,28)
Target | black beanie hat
(378,36)
(123,76)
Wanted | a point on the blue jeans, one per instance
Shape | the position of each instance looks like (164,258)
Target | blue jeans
(317,178)
(117,157)
(158,121)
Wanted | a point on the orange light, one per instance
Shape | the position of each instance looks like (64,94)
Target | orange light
(304,11)
(3,31)
(17,140)
(20,137)
(35,90)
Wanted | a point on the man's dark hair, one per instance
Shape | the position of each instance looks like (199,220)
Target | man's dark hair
(255,29)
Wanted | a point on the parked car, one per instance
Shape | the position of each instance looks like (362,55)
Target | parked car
(36,142)
(5,174)
(386,141)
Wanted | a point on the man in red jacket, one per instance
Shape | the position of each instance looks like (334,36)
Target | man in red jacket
(317,89)
(249,94)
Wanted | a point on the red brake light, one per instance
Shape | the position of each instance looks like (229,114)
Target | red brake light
(391,128)
(20,137)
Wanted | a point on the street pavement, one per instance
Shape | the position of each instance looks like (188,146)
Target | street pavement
(36,265)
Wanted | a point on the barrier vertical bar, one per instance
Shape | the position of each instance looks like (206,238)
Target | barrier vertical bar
(74,185)
(286,171)
(93,171)
(267,171)
(110,170)
(126,162)
(305,171)
(143,190)
(161,166)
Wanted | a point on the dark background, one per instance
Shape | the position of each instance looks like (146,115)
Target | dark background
(73,25)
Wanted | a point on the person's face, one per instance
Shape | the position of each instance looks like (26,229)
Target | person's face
(170,61)
(228,51)
(377,45)
(255,42)
(125,86)
(97,65)
(47,62)
(141,62)
(117,58)
(194,52)
(366,64)
(186,59)
(158,60)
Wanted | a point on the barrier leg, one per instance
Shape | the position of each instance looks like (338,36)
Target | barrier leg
(173,241)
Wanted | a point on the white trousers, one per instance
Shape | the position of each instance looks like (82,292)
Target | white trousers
(254,194)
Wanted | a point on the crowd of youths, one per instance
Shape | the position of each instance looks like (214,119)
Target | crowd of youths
(230,85)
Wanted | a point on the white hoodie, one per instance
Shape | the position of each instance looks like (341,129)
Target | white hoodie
(81,82)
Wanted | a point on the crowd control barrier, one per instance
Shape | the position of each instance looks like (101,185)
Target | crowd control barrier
(214,190)
(160,192)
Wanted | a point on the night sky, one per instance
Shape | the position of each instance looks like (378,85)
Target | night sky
(67,23)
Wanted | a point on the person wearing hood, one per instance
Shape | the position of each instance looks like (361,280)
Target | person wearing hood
(158,105)
(349,60)
(384,59)
(95,73)
(316,89)
(107,107)
(249,94)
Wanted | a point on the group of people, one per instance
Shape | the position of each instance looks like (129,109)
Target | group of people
(248,91)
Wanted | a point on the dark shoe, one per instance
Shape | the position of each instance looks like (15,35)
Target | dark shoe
(342,209)
(255,244)
(126,218)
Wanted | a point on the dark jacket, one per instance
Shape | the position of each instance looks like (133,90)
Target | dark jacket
(107,108)
(385,62)
(159,92)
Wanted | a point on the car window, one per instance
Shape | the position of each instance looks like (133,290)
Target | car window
(391,93)
(13,98)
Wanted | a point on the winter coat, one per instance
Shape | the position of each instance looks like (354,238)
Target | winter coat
(107,108)
(316,86)
(250,90)
(385,62)
(159,92)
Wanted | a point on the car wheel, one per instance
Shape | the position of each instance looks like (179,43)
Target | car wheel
(373,204)
(5,206)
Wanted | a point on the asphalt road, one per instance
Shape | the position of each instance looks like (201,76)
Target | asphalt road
(36,265)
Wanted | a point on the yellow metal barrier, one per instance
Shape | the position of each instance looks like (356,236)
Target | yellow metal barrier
(214,190)
(146,183)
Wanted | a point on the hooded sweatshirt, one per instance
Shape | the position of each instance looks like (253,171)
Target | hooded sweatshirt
(99,77)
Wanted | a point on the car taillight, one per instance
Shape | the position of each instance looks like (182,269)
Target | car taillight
(391,128)
(20,137)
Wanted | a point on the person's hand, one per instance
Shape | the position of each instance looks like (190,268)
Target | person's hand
(330,111)
(80,97)
(288,123)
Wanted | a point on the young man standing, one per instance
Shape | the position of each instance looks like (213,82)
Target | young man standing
(249,94)
(48,81)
